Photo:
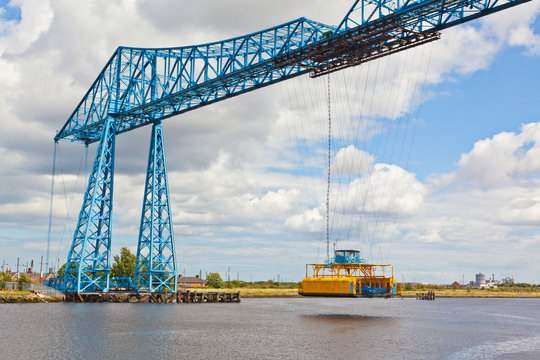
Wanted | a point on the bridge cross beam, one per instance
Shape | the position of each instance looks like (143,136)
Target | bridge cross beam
(155,267)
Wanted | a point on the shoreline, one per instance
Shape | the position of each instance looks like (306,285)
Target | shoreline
(255,293)
(459,293)
(476,293)
(21,297)
(18,297)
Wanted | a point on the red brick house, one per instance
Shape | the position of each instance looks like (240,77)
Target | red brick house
(191,282)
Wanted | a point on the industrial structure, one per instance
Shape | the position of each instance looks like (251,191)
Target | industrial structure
(480,280)
(143,86)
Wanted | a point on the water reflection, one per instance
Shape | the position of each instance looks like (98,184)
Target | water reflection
(345,323)
(274,329)
(344,317)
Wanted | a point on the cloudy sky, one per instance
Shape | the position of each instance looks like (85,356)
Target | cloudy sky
(435,155)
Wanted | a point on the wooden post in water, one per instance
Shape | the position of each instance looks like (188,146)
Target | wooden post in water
(430,295)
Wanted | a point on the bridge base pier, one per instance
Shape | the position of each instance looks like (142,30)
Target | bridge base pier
(182,296)
(120,297)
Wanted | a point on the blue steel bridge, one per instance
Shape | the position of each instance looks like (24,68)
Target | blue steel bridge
(143,86)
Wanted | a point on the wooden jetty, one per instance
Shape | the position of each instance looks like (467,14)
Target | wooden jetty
(430,295)
(182,296)
(187,297)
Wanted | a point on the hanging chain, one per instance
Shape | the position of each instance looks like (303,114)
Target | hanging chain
(328,180)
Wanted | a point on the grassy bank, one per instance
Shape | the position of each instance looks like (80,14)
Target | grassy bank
(253,293)
(16,296)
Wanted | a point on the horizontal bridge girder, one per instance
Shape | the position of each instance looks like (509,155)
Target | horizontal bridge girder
(139,86)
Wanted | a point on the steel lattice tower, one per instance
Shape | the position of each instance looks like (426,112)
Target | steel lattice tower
(88,264)
(155,269)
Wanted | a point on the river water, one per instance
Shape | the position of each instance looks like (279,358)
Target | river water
(275,328)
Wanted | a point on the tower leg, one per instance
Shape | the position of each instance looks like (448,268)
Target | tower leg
(155,268)
(88,264)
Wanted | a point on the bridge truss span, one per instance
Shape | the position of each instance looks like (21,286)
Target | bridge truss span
(139,86)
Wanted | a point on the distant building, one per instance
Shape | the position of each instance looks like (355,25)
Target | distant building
(191,282)
(480,280)
(456,285)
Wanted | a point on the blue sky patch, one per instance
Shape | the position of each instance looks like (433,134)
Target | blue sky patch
(9,12)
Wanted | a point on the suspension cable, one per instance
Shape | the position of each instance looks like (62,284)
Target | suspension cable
(51,210)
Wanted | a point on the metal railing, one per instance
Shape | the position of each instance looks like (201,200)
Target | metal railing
(39,288)
(116,283)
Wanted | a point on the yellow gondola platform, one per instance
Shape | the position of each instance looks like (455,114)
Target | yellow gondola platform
(349,276)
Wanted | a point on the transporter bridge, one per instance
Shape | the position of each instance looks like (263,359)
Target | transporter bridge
(143,86)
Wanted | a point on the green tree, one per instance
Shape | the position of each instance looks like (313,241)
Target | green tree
(23,279)
(124,265)
(408,287)
(214,280)
(61,271)
(5,277)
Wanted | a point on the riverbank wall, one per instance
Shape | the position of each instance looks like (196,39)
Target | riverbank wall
(17,297)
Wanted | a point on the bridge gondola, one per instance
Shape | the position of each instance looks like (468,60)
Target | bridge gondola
(347,275)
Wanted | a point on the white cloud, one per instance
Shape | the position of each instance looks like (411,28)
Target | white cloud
(386,192)
(514,26)
(36,18)
(388,189)
(504,159)
(351,161)
(523,208)
(310,220)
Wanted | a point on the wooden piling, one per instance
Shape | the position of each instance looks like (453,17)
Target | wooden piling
(120,296)
(430,295)
(188,297)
